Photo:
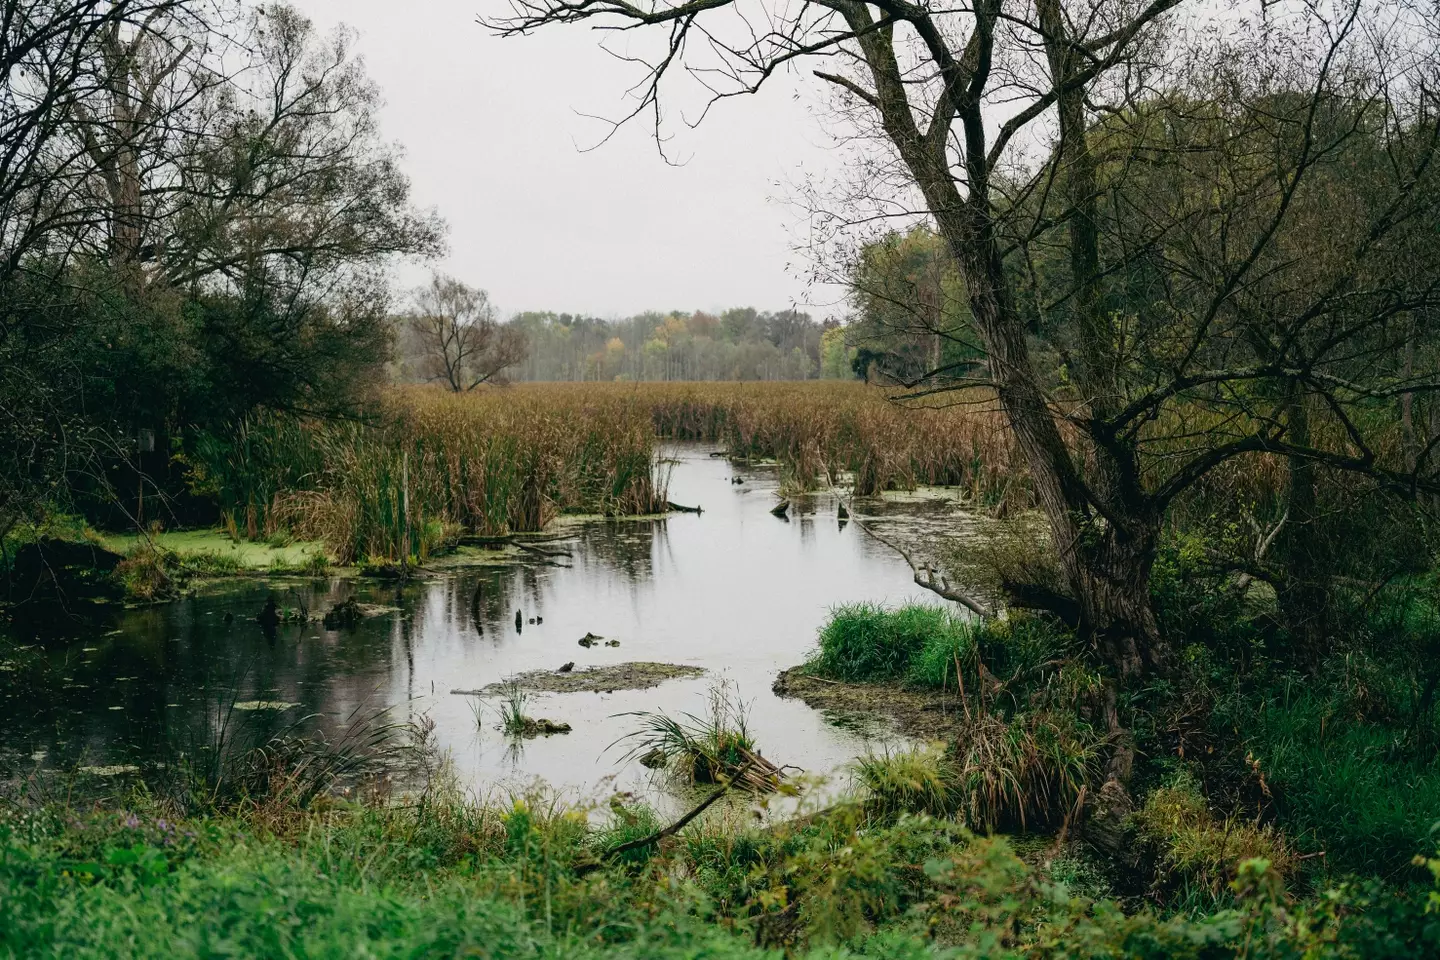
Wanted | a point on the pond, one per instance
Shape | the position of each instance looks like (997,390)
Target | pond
(734,591)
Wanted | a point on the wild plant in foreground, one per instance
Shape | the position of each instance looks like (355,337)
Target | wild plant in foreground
(704,749)
(918,780)
(512,709)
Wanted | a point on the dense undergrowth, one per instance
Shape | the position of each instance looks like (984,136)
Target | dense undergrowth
(1328,774)
(529,877)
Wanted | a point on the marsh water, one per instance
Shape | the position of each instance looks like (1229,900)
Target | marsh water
(734,591)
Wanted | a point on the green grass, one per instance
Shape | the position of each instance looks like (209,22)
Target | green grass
(449,878)
(512,709)
(704,749)
(867,643)
(1360,791)
(918,780)
(1199,848)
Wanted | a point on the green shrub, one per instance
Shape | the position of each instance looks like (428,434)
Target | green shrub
(1200,849)
(1358,790)
(1026,772)
(918,780)
(865,642)
(444,877)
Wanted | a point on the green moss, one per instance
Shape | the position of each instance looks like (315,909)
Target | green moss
(214,552)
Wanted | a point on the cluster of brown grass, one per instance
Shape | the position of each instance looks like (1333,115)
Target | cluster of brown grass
(823,431)
(432,464)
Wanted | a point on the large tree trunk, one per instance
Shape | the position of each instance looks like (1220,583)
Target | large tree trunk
(1104,558)
(1106,562)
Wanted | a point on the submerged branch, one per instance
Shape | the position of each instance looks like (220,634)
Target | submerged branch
(923,572)
(680,824)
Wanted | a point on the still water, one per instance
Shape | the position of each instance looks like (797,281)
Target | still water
(735,591)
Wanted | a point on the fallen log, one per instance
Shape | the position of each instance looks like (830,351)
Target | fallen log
(679,825)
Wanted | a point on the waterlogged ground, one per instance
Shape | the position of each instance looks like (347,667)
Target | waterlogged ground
(734,592)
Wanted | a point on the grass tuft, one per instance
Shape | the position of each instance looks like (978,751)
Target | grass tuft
(1200,849)
(706,749)
(867,643)
(918,780)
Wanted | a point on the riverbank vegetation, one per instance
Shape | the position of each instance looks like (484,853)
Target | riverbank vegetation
(1327,775)
(873,875)
(432,466)
(1192,327)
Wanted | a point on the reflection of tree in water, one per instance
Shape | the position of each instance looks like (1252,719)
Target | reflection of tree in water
(156,685)
(501,590)
(627,549)
(161,683)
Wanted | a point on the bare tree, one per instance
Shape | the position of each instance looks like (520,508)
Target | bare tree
(463,342)
(47,51)
(1002,119)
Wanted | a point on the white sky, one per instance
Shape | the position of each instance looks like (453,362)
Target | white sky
(492,131)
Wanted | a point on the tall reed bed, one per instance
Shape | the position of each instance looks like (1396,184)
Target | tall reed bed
(819,431)
(429,465)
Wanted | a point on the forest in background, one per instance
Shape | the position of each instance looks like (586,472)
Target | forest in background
(1179,355)
(737,344)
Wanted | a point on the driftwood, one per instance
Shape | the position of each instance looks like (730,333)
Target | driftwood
(681,508)
(924,575)
(540,551)
(680,824)
(510,540)
(756,773)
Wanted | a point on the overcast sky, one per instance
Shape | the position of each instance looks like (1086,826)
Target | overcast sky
(493,131)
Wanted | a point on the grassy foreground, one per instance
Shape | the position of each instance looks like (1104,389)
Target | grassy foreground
(1328,777)
(529,878)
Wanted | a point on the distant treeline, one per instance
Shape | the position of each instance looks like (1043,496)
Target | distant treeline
(738,344)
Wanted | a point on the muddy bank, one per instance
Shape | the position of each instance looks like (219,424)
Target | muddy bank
(607,679)
(922,714)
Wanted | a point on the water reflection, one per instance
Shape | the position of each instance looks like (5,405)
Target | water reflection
(734,590)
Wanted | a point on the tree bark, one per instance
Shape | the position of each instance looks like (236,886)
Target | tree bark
(1105,560)
(1303,596)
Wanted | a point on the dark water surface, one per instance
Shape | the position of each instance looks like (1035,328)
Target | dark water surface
(735,591)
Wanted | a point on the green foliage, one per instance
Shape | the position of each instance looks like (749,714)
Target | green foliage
(918,780)
(836,356)
(703,749)
(865,642)
(912,313)
(1026,772)
(1198,848)
(926,646)
(145,574)
(739,344)
(447,877)
(1353,788)
(512,709)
